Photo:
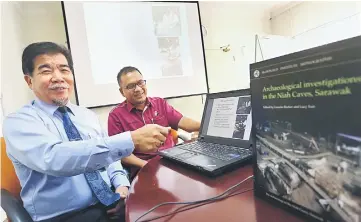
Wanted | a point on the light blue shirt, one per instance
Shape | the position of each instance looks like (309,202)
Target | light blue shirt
(51,168)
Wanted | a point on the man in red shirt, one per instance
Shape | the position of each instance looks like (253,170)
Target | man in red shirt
(138,110)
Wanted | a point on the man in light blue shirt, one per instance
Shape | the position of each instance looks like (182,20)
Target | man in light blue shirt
(51,166)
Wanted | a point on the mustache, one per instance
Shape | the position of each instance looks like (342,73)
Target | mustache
(59,85)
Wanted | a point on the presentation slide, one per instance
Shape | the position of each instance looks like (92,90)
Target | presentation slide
(162,39)
(231,118)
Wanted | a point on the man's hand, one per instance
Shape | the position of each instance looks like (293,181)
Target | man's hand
(118,210)
(123,191)
(195,136)
(150,137)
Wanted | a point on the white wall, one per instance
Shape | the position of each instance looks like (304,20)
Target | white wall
(234,23)
(311,15)
(12,44)
(297,26)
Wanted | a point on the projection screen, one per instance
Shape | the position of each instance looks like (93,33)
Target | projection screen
(162,39)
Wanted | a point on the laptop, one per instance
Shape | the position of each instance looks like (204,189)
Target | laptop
(224,141)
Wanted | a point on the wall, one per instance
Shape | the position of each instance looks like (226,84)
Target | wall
(227,71)
(236,24)
(309,15)
(12,44)
(303,25)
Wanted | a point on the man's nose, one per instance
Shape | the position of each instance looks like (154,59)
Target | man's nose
(57,76)
(137,88)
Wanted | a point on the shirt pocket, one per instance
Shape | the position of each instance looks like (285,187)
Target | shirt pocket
(161,120)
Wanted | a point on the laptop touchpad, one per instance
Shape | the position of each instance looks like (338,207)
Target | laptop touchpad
(196,159)
(186,155)
(202,160)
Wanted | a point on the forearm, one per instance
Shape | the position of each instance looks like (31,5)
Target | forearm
(117,174)
(189,125)
(133,161)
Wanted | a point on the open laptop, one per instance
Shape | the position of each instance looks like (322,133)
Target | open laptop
(224,138)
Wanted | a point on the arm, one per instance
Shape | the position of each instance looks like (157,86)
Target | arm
(120,182)
(177,120)
(134,161)
(189,125)
(31,143)
(118,176)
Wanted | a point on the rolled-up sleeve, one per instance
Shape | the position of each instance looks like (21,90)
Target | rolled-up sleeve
(117,174)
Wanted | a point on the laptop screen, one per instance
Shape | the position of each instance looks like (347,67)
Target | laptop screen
(228,117)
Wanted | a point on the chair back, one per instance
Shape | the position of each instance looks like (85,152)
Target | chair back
(9,180)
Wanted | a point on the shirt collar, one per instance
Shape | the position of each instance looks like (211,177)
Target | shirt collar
(130,106)
(50,108)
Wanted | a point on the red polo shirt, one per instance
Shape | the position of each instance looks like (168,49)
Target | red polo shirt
(125,117)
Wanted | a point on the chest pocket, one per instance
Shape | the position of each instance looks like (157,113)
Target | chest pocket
(161,120)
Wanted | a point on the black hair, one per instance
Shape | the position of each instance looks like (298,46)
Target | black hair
(126,70)
(40,48)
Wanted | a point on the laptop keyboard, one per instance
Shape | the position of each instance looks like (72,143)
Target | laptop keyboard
(222,152)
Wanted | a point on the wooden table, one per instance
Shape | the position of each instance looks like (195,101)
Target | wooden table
(162,181)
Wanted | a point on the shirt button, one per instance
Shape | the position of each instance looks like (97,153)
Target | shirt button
(120,153)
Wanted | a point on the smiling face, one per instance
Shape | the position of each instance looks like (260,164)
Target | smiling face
(133,88)
(52,80)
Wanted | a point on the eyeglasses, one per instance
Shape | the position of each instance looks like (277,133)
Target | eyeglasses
(132,86)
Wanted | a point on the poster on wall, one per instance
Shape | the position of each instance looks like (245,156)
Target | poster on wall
(306,118)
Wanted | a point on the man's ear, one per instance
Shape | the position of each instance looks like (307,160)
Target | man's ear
(29,81)
(121,91)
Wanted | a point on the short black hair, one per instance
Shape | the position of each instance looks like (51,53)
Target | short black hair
(126,70)
(40,48)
